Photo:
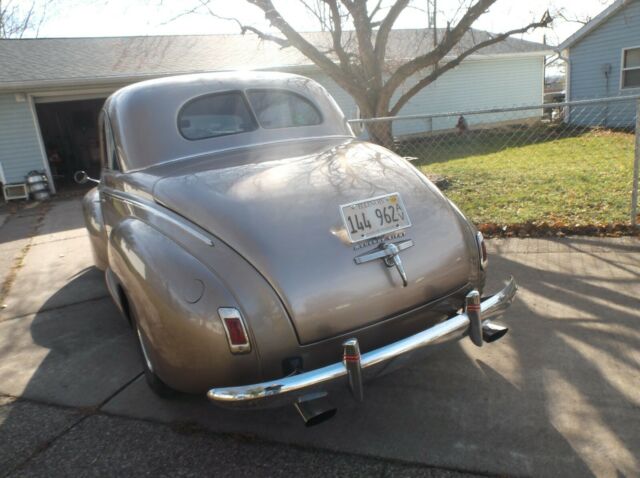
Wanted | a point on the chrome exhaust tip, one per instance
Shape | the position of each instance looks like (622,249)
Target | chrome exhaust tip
(492,331)
(315,408)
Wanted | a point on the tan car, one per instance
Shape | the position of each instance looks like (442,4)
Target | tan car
(263,254)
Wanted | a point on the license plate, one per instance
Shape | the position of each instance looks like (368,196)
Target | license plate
(374,217)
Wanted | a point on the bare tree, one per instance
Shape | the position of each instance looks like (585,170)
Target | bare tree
(18,17)
(356,58)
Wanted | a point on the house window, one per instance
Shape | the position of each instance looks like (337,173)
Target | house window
(631,68)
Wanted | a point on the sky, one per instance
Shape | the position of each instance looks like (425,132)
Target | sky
(80,18)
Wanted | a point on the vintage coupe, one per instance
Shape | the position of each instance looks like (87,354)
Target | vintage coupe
(262,254)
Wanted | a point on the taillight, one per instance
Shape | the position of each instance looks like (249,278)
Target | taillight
(235,329)
(482,250)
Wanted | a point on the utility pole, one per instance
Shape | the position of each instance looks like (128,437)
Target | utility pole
(432,13)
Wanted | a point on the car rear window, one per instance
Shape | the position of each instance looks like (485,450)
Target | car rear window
(214,115)
(282,109)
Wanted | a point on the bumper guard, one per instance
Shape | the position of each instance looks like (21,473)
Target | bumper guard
(356,366)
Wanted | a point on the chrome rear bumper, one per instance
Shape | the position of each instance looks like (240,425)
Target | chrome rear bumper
(289,389)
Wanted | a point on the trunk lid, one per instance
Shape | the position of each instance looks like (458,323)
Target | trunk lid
(278,206)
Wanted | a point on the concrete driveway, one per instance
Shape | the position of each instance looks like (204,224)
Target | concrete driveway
(559,396)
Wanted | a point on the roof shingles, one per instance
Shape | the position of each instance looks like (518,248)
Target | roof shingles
(41,60)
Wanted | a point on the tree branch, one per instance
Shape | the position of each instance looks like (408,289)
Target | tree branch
(346,81)
(385,29)
(375,10)
(16,21)
(265,36)
(449,40)
(372,71)
(317,13)
(336,34)
(456,61)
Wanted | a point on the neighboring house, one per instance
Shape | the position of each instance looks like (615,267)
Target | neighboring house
(604,61)
(51,90)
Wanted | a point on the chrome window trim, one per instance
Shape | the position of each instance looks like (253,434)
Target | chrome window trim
(243,146)
(129,199)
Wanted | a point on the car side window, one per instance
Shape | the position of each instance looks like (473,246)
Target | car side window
(218,114)
(108,145)
(283,109)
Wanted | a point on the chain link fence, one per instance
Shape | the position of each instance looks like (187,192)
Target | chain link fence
(558,162)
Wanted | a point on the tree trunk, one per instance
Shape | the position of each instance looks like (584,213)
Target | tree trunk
(381,132)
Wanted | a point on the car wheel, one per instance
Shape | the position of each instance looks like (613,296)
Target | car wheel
(153,381)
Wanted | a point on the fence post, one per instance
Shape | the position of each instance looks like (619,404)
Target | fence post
(636,168)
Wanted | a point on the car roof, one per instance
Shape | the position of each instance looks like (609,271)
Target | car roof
(144,115)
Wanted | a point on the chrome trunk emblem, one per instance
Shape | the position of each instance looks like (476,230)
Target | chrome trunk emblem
(390,253)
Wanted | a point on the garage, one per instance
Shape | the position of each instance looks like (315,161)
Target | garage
(70,139)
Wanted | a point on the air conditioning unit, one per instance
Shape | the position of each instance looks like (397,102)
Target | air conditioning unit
(14,190)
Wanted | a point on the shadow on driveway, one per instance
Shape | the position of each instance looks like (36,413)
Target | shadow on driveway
(557,396)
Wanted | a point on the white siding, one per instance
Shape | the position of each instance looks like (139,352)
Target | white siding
(475,84)
(19,145)
(344,99)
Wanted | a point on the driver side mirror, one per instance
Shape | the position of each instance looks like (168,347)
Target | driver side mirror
(81,177)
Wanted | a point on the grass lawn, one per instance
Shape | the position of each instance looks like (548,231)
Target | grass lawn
(581,178)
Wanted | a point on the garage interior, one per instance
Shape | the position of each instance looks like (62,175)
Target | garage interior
(70,135)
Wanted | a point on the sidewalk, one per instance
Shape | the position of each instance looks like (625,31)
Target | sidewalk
(557,396)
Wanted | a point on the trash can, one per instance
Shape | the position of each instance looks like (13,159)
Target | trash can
(38,185)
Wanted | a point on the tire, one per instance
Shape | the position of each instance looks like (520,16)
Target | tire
(154,382)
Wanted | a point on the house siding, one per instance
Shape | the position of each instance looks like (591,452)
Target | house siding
(587,61)
(19,143)
(474,85)
(478,85)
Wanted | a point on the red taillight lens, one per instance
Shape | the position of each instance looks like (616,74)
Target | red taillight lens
(235,329)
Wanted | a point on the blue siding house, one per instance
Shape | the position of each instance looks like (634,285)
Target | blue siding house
(603,61)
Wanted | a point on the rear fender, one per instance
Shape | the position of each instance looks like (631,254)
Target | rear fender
(175,299)
(94,223)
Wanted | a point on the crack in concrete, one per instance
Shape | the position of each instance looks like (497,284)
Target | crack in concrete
(42,447)
(44,243)
(117,392)
(85,411)
(58,307)
(18,261)
(189,428)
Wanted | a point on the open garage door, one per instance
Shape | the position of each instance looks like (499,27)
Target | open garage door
(70,135)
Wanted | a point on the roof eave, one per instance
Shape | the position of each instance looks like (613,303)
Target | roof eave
(34,85)
(480,56)
(593,24)
(66,83)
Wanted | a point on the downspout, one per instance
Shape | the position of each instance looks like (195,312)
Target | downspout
(43,151)
(567,79)
(606,69)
